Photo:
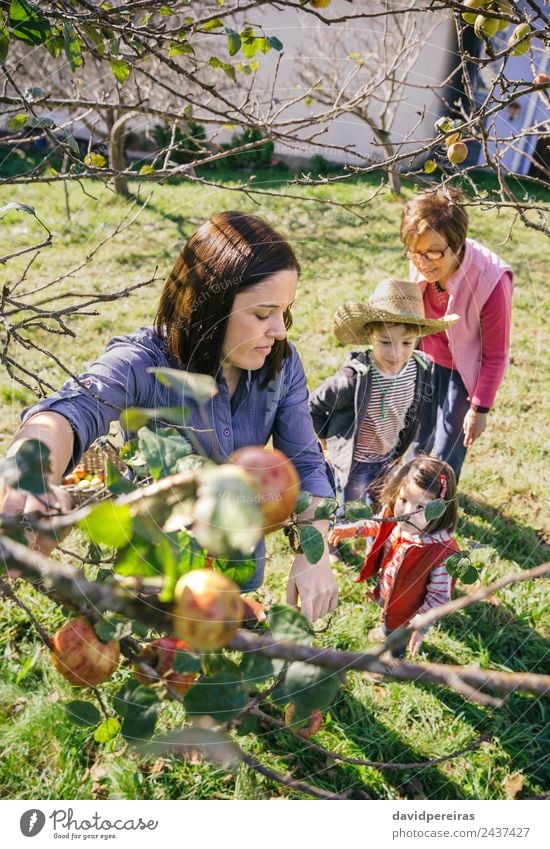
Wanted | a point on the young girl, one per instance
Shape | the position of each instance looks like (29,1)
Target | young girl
(366,415)
(409,552)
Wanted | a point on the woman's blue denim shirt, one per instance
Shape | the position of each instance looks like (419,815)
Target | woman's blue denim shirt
(120,379)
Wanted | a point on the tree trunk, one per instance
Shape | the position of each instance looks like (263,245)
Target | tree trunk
(116,153)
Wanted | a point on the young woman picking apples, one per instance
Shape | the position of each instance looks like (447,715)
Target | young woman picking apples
(224,311)
(457,275)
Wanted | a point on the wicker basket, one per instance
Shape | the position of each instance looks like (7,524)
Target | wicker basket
(94,461)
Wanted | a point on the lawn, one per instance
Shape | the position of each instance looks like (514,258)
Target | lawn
(503,490)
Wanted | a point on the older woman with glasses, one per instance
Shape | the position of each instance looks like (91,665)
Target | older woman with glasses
(457,275)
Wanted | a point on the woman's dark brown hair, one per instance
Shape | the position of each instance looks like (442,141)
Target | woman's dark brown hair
(429,474)
(229,253)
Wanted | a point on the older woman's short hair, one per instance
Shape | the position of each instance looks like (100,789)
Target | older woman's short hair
(440,210)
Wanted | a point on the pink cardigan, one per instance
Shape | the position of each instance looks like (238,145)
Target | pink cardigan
(469,289)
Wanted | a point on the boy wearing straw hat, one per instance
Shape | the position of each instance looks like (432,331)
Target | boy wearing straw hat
(367,414)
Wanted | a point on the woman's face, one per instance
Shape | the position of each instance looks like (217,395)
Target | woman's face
(433,270)
(257,320)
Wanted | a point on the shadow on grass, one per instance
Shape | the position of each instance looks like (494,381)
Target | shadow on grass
(511,539)
(496,635)
(357,723)
(519,728)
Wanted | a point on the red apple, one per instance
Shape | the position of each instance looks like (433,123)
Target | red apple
(275,479)
(457,153)
(314,725)
(160,655)
(81,657)
(208,609)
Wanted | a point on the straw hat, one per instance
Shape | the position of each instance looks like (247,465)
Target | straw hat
(393,301)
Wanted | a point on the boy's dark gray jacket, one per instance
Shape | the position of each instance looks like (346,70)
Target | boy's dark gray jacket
(339,404)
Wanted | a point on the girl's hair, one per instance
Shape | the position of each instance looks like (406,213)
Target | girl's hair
(229,253)
(433,476)
(440,210)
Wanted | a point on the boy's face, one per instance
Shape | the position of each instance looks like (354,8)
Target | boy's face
(392,347)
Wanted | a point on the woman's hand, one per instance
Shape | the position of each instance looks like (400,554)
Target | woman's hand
(53,502)
(416,640)
(314,584)
(473,426)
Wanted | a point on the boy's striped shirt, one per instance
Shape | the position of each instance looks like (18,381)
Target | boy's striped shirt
(377,436)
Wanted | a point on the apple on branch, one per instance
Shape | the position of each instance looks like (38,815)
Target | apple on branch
(160,656)
(208,609)
(275,479)
(81,657)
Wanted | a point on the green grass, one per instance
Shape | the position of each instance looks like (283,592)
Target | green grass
(502,507)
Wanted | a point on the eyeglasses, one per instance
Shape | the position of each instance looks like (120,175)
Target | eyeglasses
(432,256)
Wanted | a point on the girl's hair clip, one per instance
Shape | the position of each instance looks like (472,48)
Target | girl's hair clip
(443,482)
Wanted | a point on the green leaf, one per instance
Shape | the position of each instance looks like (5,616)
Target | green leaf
(191,555)
(311,543)
(453,565)
(42,123)
(4,42)
(228,519)
(209,26)
(434,509)
(73,50)
(287,623)
(161,453)
(309,688)
(115,483)
(95,38)
(178,48)
(27,665)
(228,69)
(443,125)
(304,501)
(325,508)
(251,45)
(71,141)
(17,122)
(469,575)
(140,557)
(95,160)
(113,627)
(138,706)
(146,170)
(233,41)
(200,388)
(133,418)
(109,524)
(108,729)
(213,746)
(27,23)
(221,696)
(184,662)
(169,566)
(82,713)
(356,510)
(26,469)
(120,69)
(274,42)
(255,668)
(238,570)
